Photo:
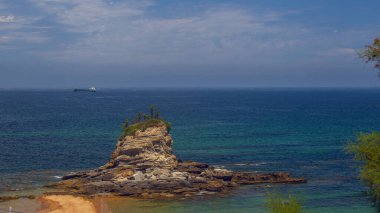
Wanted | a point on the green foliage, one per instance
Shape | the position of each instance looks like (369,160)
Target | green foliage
(372,53)
(154,113)
(143,125)
(126,123)
(277,203)
(139,117)
(168,125)
(366,149)
(146,117)
(143,121)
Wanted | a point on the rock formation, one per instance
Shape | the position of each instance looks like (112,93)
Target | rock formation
(144,165)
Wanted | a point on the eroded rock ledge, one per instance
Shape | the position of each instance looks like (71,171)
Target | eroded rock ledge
(144,165)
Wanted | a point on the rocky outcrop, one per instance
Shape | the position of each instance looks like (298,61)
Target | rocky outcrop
(144,165)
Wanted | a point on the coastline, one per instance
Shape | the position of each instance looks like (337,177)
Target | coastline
(266,138)
(56,203)
(65,203)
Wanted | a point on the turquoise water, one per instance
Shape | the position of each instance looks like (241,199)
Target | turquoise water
(44,134)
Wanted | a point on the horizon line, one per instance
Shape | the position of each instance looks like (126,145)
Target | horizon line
(189,87)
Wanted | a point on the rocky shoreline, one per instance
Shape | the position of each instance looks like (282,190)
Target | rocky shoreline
(143,165)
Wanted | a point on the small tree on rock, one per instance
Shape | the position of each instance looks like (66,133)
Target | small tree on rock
(371,54)
(154,113)
(126,123)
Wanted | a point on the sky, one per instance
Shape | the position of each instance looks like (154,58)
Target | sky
(186,43)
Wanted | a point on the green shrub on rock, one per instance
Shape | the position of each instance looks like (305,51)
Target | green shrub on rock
(366,149)
(278,203)
(143,121)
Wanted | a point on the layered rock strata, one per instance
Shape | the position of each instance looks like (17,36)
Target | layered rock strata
(144,165)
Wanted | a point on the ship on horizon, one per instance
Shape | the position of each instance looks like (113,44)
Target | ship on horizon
(91,89)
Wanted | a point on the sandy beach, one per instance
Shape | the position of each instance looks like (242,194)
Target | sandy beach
(65,203)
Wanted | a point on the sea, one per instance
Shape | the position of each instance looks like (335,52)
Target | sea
(45,134)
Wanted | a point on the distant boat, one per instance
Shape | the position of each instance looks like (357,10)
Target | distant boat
(91,89)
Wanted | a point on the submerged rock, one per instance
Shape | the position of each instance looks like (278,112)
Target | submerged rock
(15,197)
(144,165)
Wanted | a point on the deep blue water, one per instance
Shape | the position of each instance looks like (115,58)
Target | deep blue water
(302,131)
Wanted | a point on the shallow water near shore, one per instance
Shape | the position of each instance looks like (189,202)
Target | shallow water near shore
(45,134)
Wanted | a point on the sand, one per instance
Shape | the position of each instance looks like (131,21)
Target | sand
(20,205)
(65,204)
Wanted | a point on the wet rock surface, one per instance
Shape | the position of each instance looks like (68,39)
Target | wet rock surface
(144,165)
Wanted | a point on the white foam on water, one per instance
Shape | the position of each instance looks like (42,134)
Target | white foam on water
(250,164)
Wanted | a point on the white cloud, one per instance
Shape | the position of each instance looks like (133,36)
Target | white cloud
(4,39)
(97,31)
(21,30)
(338,52)
(23,37)
(124,32)
(7,19)
(91,16)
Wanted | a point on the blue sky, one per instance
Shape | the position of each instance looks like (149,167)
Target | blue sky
(192,43)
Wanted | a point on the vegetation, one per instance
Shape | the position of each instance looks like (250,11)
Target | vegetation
(143,121)
(371,53)
(367,150)
(277,203)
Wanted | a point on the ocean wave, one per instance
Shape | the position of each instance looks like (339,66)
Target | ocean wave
(250,164)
